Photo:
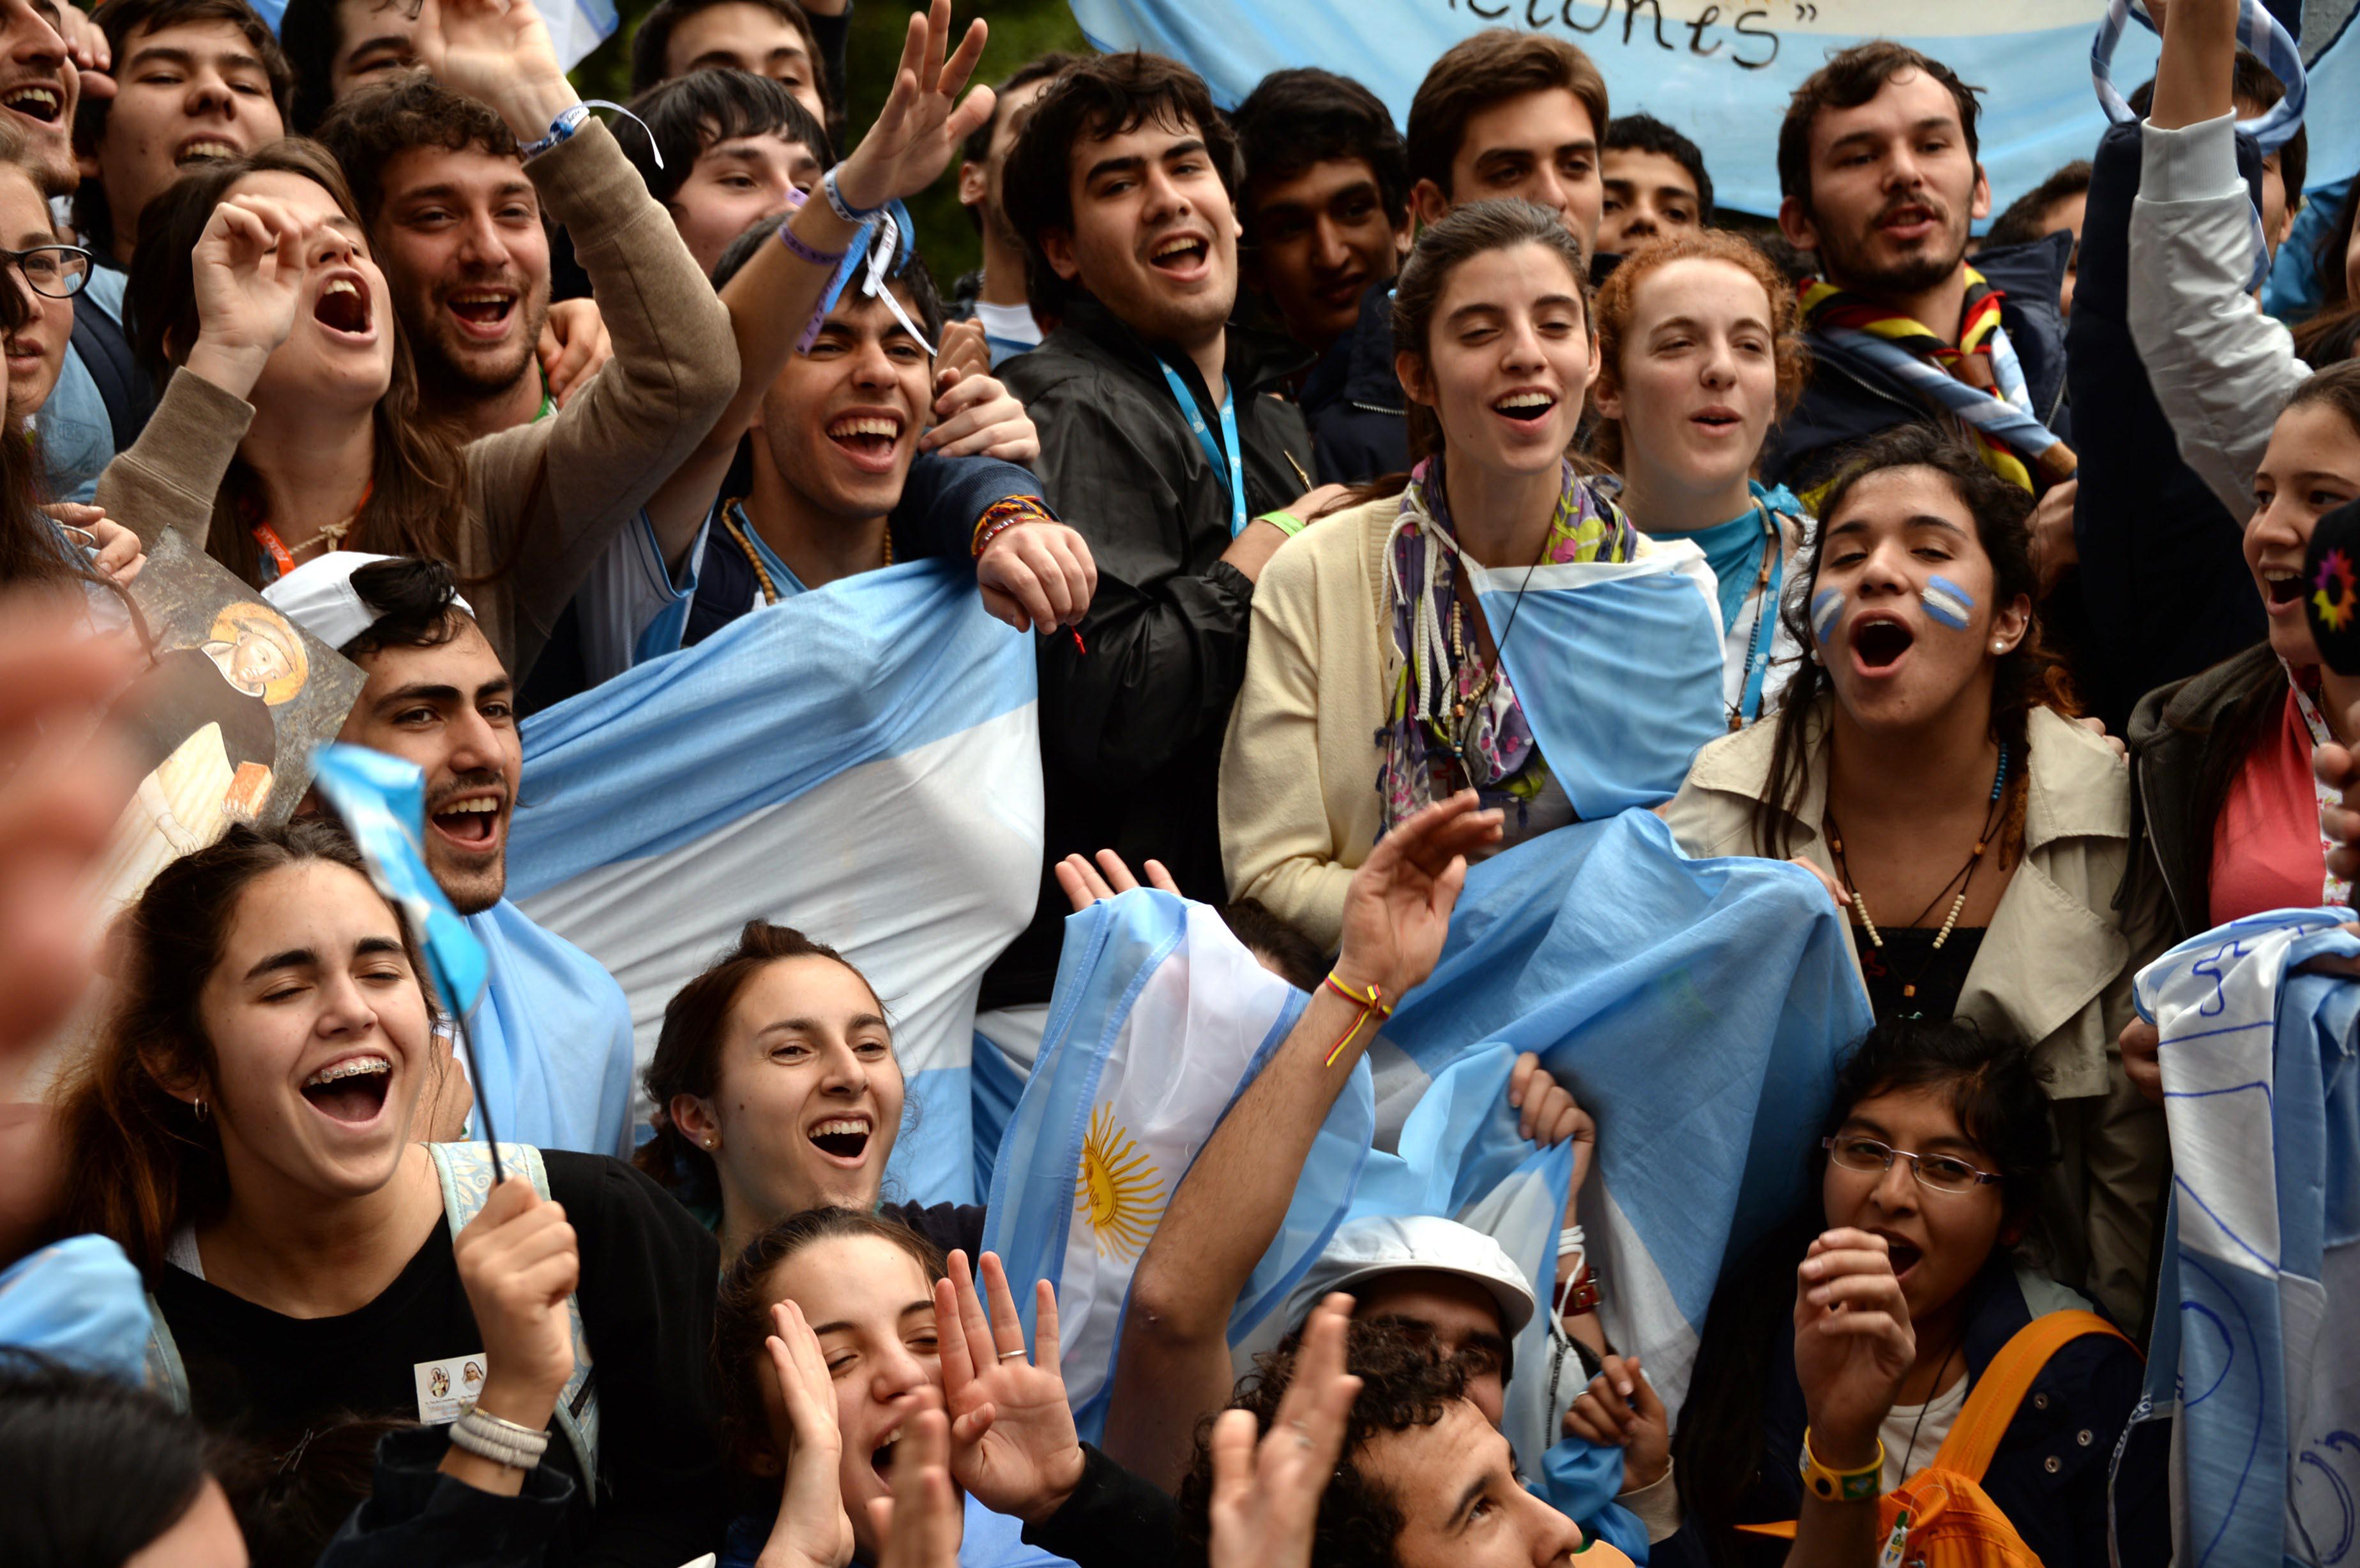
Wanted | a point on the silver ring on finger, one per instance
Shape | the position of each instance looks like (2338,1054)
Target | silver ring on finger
(1302,1432)
(1010,1354)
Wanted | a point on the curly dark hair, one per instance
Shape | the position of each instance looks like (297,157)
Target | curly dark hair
(1403,1384)
(369,128)
(1849,78)
(2028,676)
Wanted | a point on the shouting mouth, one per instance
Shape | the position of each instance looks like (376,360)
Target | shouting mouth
(483,313)
(343,307)
(38,101)
(2284,586)
(1180,255)
(870,439)
(843,1139)
(352,1091)
(471,824)
(201,149)
(1525,410)
(1878,642)
(1904,1253)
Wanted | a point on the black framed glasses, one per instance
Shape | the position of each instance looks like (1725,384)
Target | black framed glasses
(54,271)
(1937,1172)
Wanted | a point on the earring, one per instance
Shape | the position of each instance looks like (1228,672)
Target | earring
(197,1108)
(711,1143)
(1999,648)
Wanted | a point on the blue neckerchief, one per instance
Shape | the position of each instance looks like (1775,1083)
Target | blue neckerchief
(1223,457)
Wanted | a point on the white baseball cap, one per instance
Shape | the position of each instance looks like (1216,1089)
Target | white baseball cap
(319,596)
(1426,1244)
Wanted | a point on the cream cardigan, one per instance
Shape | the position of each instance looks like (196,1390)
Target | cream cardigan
(1298,792)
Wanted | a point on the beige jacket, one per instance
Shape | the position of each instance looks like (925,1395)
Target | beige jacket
(552,493)
(1299,793)
(2057,962)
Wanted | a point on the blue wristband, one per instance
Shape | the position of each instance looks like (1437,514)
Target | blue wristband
(842,208)
(568,121)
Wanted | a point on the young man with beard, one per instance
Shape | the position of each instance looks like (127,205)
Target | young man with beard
(552,1034)
(457,227)
(1878,176)
(1164,439)
(994,293)
(1326,221)
(1498,115)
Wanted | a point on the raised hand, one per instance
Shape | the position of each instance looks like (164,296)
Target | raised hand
(1397,908)
(1085,884)
(1547,1114)
(497,52)
(1265,1499)
(1852,1343)
(1013,1438)
(812,1531)
(1620,1409)
(918,129)
(246,272)
(519,1260)
(919,1524)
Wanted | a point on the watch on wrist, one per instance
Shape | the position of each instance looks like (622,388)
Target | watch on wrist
(1865,1483)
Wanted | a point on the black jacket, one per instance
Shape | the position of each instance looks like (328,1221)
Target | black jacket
(2170,732)
(417,1515)
(1132,728)
(1848,398)
(2163,571)
(1353,400)
(2049,1475)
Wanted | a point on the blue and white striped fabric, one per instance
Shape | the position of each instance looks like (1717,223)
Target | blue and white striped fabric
(1161,1018)
(80,1302)
(1723,73)
(1617,667)
(2254,1345)
(861,762)
(575,27)
(1696,1006)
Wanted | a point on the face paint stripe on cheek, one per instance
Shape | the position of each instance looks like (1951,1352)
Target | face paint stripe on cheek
(1827,609)
(1948,602)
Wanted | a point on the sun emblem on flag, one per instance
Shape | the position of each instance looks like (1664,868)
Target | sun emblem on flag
(2337,591)
(1116,1189)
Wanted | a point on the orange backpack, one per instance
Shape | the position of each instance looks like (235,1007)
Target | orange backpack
(1941,1516)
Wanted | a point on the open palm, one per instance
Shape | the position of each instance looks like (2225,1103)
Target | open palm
(922,122)
(1013,1439)
(1397,910)
(489,50)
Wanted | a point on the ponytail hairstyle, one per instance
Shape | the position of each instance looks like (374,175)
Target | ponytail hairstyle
(1998,1096)
(688,1050)
(140,1163)
(2249,717)
(741,1317)
(418,487)
(2029,675)
(1476,229)
(1618,298)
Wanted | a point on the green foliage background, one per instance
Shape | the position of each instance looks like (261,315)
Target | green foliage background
(1019,30)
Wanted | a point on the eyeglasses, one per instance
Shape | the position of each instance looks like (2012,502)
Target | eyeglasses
(56,271)
(1940,1172)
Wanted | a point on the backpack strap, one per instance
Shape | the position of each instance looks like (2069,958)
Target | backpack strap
(123,386)
(465,1172)
(1992,1403)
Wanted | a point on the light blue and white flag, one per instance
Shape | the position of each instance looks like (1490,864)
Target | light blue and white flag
(2256,1354)
(1161,1018)
(1617,666)
(1696,1008)
(575,27)
(1720,70)
(860,762)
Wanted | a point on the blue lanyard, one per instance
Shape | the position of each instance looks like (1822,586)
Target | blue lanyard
(1224,457)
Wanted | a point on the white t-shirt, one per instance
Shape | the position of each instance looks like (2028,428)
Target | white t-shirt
(1913,1434)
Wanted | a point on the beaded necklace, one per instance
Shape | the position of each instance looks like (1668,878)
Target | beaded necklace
(731,511)
(1963,878)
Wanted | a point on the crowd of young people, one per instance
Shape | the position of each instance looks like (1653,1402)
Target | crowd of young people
(1261,424)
